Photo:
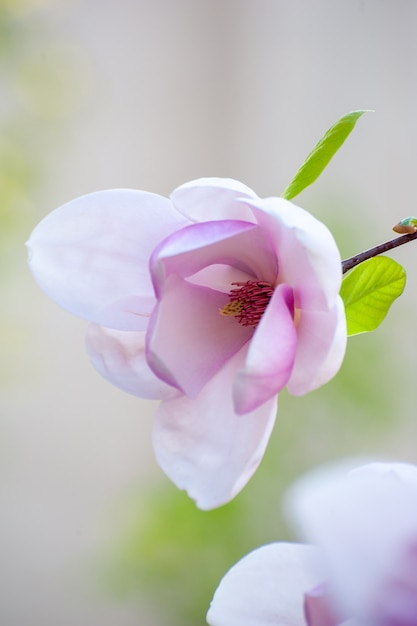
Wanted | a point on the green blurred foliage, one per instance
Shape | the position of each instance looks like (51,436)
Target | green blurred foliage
(37,80)
(174,554)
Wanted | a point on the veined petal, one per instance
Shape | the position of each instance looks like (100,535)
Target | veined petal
(188,341)
(266,587)
(204,447)
(271,354)
(321,346)
(308,257)
(208,199)
(241,245)
(119,356)
(91,255)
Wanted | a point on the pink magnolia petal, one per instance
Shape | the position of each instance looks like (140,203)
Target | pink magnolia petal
(308,257)
(218,276)
(321,348)
(188,341)
(271,354)
(266,588)
(241,245)
(209,199)
(204,447)
(91,255)
(119,356)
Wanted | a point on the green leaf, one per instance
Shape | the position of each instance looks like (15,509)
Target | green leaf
(321,154)
(368,292)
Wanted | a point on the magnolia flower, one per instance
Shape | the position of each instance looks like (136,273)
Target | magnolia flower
(361,569)
(211,301)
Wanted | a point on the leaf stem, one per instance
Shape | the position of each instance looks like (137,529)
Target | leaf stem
(347,264)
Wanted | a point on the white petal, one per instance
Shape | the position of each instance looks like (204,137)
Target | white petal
(91,255)
(119,356)
(266,588)
(321,348)
(204,447)
(397,473)
(308,257)
(208,199)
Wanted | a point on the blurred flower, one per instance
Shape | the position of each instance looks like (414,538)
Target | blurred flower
(360,571)
(266,588)
(212,301)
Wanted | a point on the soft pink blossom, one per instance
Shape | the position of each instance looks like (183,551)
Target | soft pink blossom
(212,301)
(360,568)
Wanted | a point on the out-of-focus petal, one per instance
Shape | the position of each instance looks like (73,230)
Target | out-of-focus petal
(91,255)
(390,473)
(119,356)
(317,609)
(321,346)
(309,259)
(204,447)
(188,341)
(241,245)
(209,199)
(363,522)
(271,354)
(266,588)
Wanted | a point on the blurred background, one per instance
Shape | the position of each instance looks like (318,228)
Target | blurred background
(150,94)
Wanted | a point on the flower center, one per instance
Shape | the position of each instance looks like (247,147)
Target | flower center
(248,301)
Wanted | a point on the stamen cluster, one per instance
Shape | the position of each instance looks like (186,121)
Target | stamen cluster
(248,301)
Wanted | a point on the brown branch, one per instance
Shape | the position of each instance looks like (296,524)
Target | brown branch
(347,264)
